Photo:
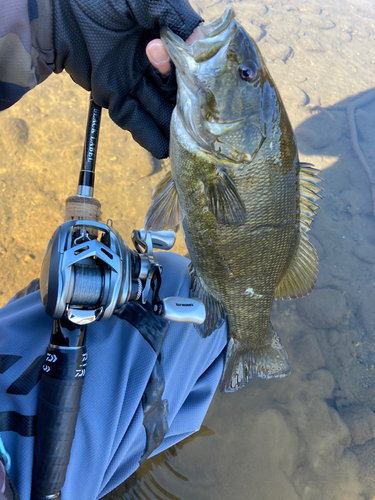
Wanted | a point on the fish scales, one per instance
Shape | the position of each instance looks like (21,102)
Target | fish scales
(260,253)
(235,184)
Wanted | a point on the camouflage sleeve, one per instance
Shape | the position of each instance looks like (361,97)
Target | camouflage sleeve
(26,47)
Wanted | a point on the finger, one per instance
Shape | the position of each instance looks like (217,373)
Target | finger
(158,56)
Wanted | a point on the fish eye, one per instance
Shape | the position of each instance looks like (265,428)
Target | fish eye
(248,71)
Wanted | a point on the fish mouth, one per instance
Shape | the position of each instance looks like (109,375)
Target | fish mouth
(216,35)
(219,25)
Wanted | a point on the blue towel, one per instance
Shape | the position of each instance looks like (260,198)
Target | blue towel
(110,436)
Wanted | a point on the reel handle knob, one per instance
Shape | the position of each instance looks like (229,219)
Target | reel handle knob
(161,240)
(183,310)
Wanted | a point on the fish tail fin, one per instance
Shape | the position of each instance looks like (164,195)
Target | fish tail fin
(244,362)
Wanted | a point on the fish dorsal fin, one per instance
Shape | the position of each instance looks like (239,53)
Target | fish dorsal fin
(165,211)
(215,312)
(223,198)
(302,272)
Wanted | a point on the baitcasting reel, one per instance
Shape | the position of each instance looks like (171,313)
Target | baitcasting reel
(86,278)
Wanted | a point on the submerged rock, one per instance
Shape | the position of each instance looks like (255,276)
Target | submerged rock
(365,252)
(14,134)
(308,354)
(321,384)
(367,313)
(355,203)
(333,337)
(360,421)
(324,308)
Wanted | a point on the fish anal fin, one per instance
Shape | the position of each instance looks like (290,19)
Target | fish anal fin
(302,273)
(244,361)
(223,198)
(215,312)
(165,211)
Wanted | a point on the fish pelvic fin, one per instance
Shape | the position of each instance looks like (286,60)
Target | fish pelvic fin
(165,211)
(244,362)
(215,312)
(302,273)
(223,198)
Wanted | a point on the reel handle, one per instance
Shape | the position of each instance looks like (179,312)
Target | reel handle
(182,310)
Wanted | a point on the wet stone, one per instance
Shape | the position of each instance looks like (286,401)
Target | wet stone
(365,456)
(322,432)
(343,355)
(329,275)
(361,225)
(16,135)
(367,313)
(354,202)
(33,110)
(333,337)
(371,360)
(343,400)
(324,308)
(308,354)
(360,421)
(321,384)
(366,253)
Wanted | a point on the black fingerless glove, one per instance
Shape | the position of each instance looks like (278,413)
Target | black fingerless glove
(101,44)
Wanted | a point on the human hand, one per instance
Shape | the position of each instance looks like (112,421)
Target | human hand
(102,45)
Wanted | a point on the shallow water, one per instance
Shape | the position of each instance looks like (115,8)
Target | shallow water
(309,436)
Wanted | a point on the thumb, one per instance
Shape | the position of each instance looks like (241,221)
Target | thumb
(158,56)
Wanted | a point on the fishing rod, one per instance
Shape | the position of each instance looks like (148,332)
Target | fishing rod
(88,274)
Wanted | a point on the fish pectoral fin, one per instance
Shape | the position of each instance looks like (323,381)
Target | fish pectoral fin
(215,312)
(165,211)
(244,361)
(302,272)
(223,198)
(160,186)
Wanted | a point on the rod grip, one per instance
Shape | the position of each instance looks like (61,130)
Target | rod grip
(58,407)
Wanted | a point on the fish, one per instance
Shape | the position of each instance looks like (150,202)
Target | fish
(245,201)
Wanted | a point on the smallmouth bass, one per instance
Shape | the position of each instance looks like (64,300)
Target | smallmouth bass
(244,199)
